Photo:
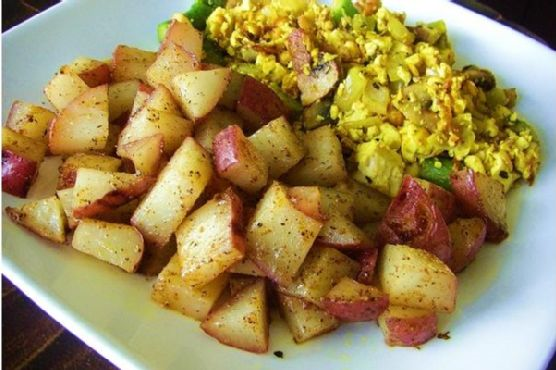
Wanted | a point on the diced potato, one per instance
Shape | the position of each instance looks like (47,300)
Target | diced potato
(68,169)
(212,124)
(97,191)
(415,278)
(304,319)
(468,235)
(18,174)
(171,292)
(242,321)
(237,160)
(322,269)
(368,259)
(407,327)
(258,104)
(118,244)
(337,202)
(482,196)
(323,163)
(279,146)
(179,185)
(350,300)
(29,120)
(442,198)
(63,88)
(66,199)
(238,282)
(339,232)
(120,98)
(246,267)
(413,219)
(143,94)
(308,199)
(199,91)
(44,217)
(149,122)
(279,236)
(182,33)
(130,63)
(82,125)
(369,205)
(145,153)
(171,61)
(161,99)
(93,72)
(209,239)
(30,149)
(231,94)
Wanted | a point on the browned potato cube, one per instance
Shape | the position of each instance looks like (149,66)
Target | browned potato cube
(129,63)
(29,120)
(407,327)
(242,321)
(415,278)
(171,291)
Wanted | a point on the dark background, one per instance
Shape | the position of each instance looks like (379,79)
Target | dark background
(31,340)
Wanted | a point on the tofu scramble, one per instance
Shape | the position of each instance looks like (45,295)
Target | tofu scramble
(400,105)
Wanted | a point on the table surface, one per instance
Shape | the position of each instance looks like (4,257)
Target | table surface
(32,340)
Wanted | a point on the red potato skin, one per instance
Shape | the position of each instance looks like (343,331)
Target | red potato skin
(258,104)
(412,218)
(307,199)
(444,200)
(18,173)
(468,197)
(363,309)
(468,235)
(97,76)
(115,198)
(368,259)
(300,55)
(226,149)
(411,332)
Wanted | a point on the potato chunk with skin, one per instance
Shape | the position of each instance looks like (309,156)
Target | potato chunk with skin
(120,98)
(182,33)
(468,235)
(242,321)
(171,61)
(246,267)
(93,72)
(279,146)
(323,163)
(145,153)
(68,169)
(350,300)
(18,174)
(172,292)
(407,327)
(29,120)
(199,91)
(178,186)
(214,122)
(238,160)
(415,278)
(279,236)
(129,63)
(44,217)
(63,88)
(481,196)
(210,240)
(118,244)
(30,149)
(82,125)
(304,319)
(97,191)
(369,205)
(322,269)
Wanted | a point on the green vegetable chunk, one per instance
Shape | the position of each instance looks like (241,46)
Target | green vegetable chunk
(212,53)
(437,170)
(161,30)
(342,8)
(200,10)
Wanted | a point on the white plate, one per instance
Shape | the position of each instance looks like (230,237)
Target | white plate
(506,312)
